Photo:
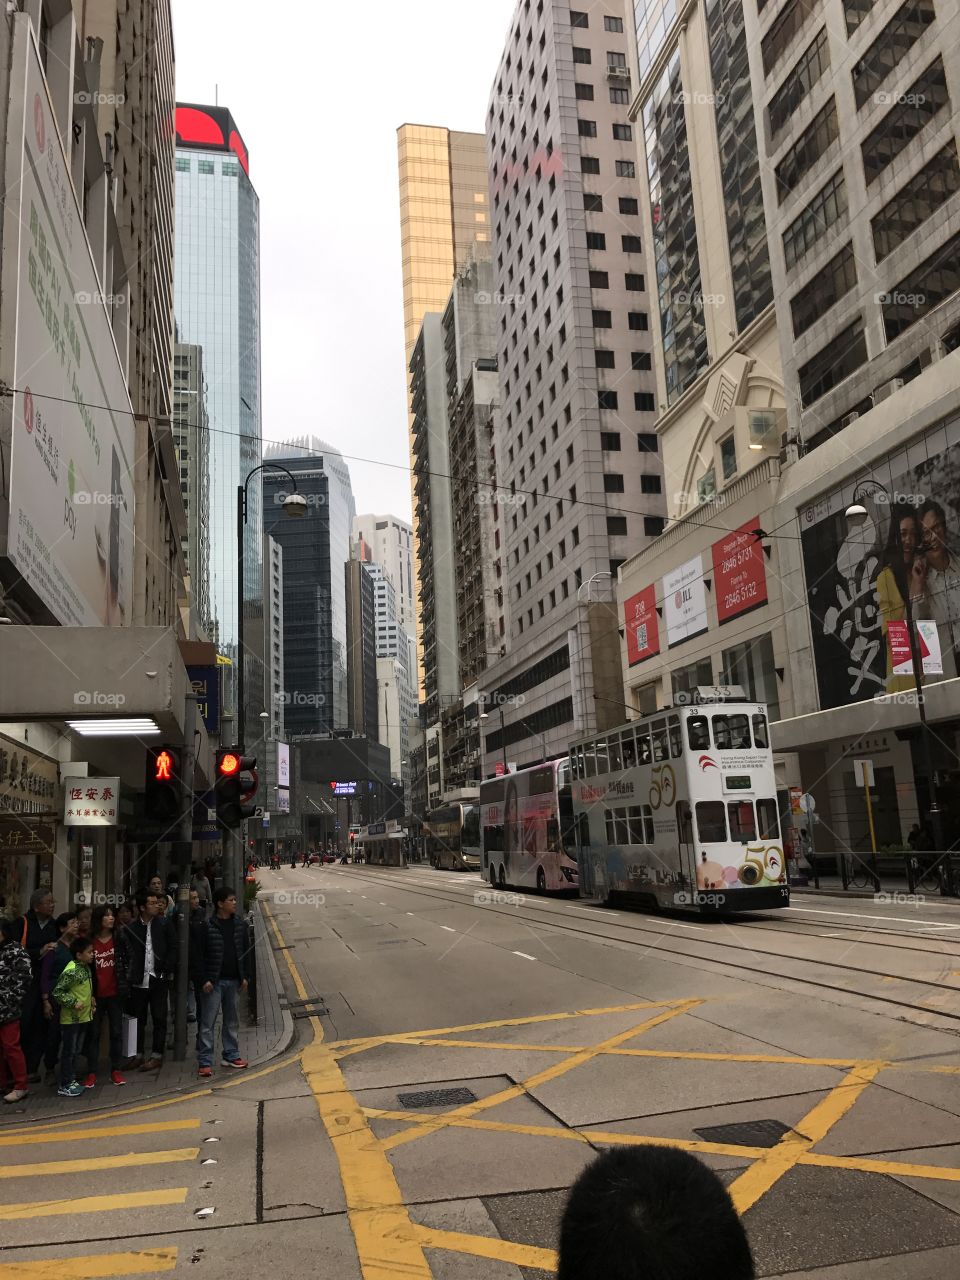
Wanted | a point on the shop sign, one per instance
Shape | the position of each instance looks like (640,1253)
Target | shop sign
(91,802)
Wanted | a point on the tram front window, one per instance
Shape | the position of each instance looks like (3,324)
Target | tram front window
(742,824)
(711,821)
(768,820)
(760,738)
(698,733)
(731,733)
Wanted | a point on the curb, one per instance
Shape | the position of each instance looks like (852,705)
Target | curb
(264,939)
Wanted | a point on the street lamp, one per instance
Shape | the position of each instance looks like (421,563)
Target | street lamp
(294,504)
(856,517)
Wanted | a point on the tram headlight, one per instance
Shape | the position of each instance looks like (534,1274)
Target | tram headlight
(751,872)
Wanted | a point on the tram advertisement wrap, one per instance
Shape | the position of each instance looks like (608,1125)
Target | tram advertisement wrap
(858,579)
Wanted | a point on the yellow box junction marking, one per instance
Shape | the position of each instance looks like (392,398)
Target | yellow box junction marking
(31,1137)
(94,1164)
(93,1266)
(91,1204)
(389,1243)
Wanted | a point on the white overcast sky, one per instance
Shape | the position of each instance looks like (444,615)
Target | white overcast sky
(317,93)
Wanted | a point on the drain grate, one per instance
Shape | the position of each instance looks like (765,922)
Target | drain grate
(749,1133)
(436,1098)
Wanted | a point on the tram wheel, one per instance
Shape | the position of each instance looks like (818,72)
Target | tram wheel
(541,881)
(502,877)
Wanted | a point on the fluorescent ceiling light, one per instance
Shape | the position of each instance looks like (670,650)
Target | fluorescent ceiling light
(114,727)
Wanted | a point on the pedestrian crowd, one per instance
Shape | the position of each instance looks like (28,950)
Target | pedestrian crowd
(70,981)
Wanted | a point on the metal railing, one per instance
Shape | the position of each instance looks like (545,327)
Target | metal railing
(913,871)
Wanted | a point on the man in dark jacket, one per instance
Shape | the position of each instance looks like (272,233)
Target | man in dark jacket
(225,976)
(150,954)
(37,934)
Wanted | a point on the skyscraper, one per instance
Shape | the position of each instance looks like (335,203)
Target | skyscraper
(577,393)
(390,540)
(217,302)
(315,550)
(444,212)
(192,437)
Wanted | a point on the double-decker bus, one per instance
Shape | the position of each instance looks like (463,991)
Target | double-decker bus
(529,830)
(679,810)
(451,837)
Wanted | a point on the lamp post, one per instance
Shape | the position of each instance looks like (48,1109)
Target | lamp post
(294,504)
(856,517)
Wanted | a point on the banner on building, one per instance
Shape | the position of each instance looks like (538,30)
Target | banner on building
(205,685)
(685,602)
(928,642)
(641,625)
(739,572)
(858,577)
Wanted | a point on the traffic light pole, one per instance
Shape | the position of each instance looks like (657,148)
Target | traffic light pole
(184,850)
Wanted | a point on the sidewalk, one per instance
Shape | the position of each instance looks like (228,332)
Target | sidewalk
(268,1037)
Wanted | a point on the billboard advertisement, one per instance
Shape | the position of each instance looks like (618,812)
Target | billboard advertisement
(739,572)
(641,625)
(685,601)
(283,764)
(70,532)
(858,579)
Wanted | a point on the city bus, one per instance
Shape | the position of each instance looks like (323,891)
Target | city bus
(678,810)
(529,830)
(451,837)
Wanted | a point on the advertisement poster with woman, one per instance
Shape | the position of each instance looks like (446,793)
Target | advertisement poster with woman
(860,579)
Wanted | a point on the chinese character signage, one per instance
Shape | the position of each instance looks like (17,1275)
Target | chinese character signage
(205,685)
(641,624)
(859,578)
(739,572)
(91,802)
(685,602)
(28,781)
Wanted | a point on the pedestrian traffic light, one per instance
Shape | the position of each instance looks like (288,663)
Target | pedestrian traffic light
(236,787)
(163,792)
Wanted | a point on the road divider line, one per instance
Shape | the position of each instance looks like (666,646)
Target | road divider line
(756,1181)
(524,955)
(94,1266)
(382,1228)
(106,1131)
(92,1164)
(448,928)
(521,1255)
(91,1204)
(552,1072)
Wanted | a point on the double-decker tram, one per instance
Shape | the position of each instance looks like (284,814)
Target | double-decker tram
(451,837)
(529,828)
(678,810)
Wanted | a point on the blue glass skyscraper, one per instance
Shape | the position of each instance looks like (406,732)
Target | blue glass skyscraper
(217,306)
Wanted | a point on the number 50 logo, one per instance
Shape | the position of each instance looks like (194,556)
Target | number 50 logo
(663,788)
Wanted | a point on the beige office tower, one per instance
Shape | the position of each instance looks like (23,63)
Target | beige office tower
(444,212)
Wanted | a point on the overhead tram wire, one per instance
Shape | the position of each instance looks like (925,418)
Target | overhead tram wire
(395,466)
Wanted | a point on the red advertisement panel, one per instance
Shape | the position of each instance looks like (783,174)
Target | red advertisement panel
(740,575)
(640,620)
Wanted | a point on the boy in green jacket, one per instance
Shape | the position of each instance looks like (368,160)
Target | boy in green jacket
(74,995)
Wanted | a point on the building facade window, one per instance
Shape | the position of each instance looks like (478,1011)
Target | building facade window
(911,113)
(751,665)
(596,240)
(739,160)
(674,234)
(935,280)
(916,200)
(834,279)
(623,132)
(784,30)
(809,70)
(822,131)
(843,355)
(728,456)
(824,211)
(885,54)
(610,441)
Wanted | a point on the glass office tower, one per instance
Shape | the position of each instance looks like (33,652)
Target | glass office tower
(315,550)
(217,305)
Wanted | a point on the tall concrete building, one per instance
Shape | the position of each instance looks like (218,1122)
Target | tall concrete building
(362,696)
(132,67)
(217,302)
(444,212)
(396,672)
(574,352)
(192,437)
(390,540)
(860,175)
(315,550)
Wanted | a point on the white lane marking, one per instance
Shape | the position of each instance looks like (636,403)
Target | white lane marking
(448,928)
(862,915)
(524,955)
(382,904)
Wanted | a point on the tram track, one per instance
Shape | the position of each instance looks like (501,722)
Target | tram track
(642,929)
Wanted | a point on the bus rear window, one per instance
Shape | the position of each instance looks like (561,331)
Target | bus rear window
(743,826)
(711,821)
(768,820)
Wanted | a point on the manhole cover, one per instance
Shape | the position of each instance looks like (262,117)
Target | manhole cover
(436,1098)
(750,1133)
